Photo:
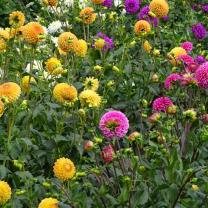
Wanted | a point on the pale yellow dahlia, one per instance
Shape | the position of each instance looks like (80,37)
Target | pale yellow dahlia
(65,93)
(64,169)
(5,192)
(147,46)
(87,15)
(4,34)
(98,1)
(175,53)
(142,26)
(16,19)
(91,83)
(80,48)
(99,43)
(32,32)
(53,66)
(159,7)
(13,31)
(1,108)
(48,203)
(66,41)
(90,98)
(26,81)
(3,45)
(10,90)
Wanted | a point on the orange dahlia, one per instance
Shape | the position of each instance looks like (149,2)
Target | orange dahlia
(32,32)
(16,19)
(142,26)
(64,169)
(87,15)
(98,1)
(26,81)
(66,41)
(48,203)
(10,90)
(80,48)
(65,93)
(53,66)
(159,7)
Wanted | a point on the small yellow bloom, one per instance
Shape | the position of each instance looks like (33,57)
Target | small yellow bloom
(195,187)
(90,98)
(53,66)
(48,203)
(80,48)
(16,19)
(64,169)
(98,68)
(91,83)
(99,43)
(26,81)
(5,192)
(175,53)
(3,45)
(147,46)
(156,52)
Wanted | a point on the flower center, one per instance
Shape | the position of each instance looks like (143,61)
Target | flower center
(112,124)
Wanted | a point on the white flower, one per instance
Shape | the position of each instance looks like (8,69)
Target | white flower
(36,65)
(69,3)
(54,40)
(54,26)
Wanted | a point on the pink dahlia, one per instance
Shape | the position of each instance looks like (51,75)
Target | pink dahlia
(114,124)
(188,46)
(188,78)
(170,79)
(162,104)
(107,154)
(186,59)
(201,75)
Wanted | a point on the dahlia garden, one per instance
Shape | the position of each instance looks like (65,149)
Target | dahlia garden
(103,104)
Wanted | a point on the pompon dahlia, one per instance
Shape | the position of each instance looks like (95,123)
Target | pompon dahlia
(16,19)
(200,59)
(107,3)
(53,66)
(103,42)
(32,32)
(64,169)
(142,26)
(107,154)
(91,83)
(201,75)
(159,7)
(97,1)
(5,192)
(10,90)
(80,48)
(161,104)
(4,34)
(175,53)
(114,124)
(188,78)
(65,93)
(170,79)
(90,98)
(48,203)
(67,41)
(52,3)
(132,6)
(1,108)
(199,31)
(26,81)
(87,15)
(188,46)
(186,59)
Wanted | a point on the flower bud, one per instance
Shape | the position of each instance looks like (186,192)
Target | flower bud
(82,112)
(110,83)
(155,78)
(190,114)
(133,136)
(195,187)
(161,139)
(116,69)
(156,52)
(133,43)
(151,14)
(46,184)
(171,109)
(142,168)
(144,103)
(20,192)
(155,117)
(205,118)
(98,68)
(107,154)
(88,145)
(98,140)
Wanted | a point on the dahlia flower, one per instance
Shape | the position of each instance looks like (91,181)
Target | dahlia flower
(91,83)
(162,104)
(159,7)
(188,78)
(90,98)
(142,26)
(170,79)
(80,48)
(201,75)
(200,59)
(175,53)
(199,31)
(87,15)
(132,6)
(188,46)
(48,203)
(5,192)
(108,42)
(186,59)
(53,66)
(107,3)
(107,154)
(16,19)
(54,27)
(114,124)
(26,81)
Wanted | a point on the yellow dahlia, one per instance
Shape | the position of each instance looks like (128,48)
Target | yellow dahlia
(80,48)
(98,1)
(90,98)
(65,93)
(32,32)
(91,83)
(16,19)
(87,15)
(4,34)
(64,169)
(66,41)
(13,32)
(26,81)
(54,66)
(1,108)
(99,43)
(3,45)
(48,203)
(175,53)
(142,26)
(147,46)
(10,90)
(159,7)
(5,192)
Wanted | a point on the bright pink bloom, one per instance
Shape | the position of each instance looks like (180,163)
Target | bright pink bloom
(170,79)
(114,124)
(188,78)
(192,67)
(201,75)
(107,154)
(188,46)
(186,59)
(162,104)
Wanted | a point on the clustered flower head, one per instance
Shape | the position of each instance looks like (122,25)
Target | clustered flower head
(91,83)
(132,6)
(16,19)
(108,3)
(53,66)
(80,48)
(5,192)
(26,81)
(170,79)
(162,104)
(141,27)
(48,203)
(201,75)
(107,154)
(159,7)
(52,3)
(199,31)
(90,98)
(175,53)
(114,124)
(64,169)
(87,15)
(188,46)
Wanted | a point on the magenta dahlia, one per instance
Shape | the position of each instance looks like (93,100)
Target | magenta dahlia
(170,79)
(114,124)
(162,104)
(188,46)
(201,75)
